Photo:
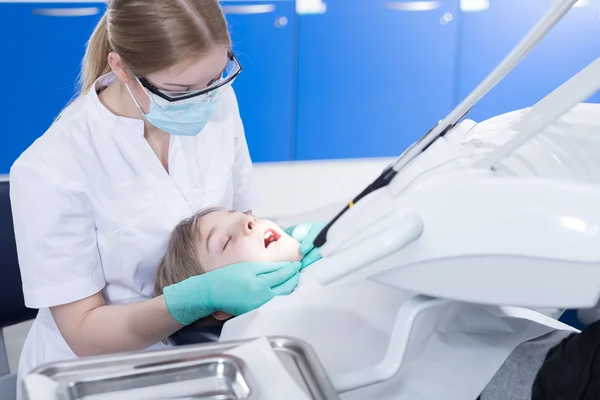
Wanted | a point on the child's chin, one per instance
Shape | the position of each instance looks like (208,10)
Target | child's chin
(292,255)
(287,249)
(298,257)
(296,252)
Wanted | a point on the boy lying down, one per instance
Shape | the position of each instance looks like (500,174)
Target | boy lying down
(214,238)
(559,365)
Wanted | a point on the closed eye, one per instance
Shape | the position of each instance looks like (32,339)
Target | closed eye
(227,242)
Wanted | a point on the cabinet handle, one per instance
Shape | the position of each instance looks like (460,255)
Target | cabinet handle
(304,7)
(67,12)
(412,5)
(474,5)
(249,9)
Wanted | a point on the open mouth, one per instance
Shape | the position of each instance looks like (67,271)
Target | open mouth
(271,237)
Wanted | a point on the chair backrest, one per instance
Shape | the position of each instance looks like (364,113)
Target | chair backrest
(12,306)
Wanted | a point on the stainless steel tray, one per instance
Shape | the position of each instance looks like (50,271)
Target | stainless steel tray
(208,377)
(213,374)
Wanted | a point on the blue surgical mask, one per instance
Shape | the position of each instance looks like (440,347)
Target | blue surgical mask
(182,118)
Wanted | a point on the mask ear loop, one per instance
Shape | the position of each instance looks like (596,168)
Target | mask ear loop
(135,100)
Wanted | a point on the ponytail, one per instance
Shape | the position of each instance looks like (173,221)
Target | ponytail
(151,35)
(95,61)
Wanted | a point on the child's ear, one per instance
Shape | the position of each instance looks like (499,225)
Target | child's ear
(221,316)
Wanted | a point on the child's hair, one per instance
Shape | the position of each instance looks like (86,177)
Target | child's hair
(181,261)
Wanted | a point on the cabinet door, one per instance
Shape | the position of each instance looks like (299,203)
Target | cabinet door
(263,41)
(489,34)
(40,62)
(373,76)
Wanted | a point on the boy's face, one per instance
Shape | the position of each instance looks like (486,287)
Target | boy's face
(228,237)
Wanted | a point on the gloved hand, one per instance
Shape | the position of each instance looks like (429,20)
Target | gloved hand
(235,289)
(306,234)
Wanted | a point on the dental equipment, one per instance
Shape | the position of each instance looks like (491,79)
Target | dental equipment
(472,234)
(537,33)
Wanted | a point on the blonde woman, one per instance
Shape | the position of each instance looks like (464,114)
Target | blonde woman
(154,137)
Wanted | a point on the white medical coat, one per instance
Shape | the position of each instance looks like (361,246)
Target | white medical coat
(93,207)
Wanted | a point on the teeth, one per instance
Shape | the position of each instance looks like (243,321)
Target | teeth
(268,234)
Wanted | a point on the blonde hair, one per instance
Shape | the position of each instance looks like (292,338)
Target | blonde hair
(152,35)
(181,261)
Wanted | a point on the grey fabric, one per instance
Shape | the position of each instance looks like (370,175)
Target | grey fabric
(514,379)
(8,387)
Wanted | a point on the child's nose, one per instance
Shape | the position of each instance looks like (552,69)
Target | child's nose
(249,226)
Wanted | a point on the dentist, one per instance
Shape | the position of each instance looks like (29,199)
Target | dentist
(154,136)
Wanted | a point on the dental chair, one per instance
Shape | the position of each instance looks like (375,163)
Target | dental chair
(12,309)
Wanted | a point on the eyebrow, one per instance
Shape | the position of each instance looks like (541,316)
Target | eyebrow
(213,230)
(209,82)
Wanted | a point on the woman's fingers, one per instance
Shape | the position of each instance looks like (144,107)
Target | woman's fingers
(307,242)
(287,287)
(280,276)
(313,256)
(265,268)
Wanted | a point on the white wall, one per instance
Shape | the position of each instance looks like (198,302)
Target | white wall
(285,189)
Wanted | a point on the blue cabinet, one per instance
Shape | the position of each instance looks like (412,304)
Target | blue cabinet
(488,35)
(373,76)
(263,35)
(46,43)
(43,47)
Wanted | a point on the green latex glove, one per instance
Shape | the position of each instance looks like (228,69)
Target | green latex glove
(306,234)
(235,289)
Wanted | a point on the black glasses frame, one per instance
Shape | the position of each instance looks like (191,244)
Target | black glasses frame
(153,89)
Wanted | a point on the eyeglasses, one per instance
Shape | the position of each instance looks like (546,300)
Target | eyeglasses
(231,71)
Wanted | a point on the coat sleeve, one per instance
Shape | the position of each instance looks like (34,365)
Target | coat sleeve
(55,235)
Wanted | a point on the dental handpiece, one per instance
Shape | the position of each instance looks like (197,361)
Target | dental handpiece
(534,36)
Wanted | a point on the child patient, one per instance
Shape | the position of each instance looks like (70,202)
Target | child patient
(216,237)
